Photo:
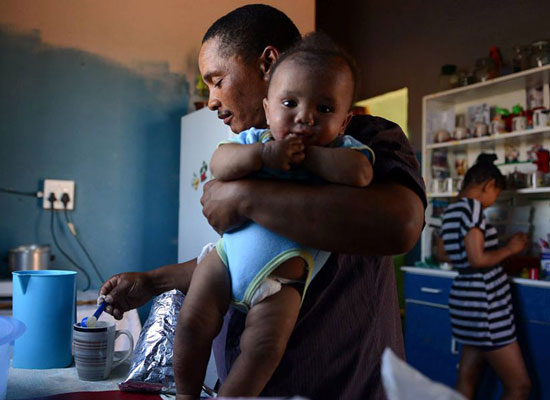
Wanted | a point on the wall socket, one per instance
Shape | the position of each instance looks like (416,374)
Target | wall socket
(58,187)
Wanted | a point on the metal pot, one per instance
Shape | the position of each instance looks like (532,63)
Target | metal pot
(30,257)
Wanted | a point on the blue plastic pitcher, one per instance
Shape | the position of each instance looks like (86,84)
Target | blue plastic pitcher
(45,301)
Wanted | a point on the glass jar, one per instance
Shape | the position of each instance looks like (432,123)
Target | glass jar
(465,78)
(520,62)
(540,54)
(485,69)
(448,77)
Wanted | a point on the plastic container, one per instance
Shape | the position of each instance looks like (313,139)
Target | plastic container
(45,301)
(10,329)
(544,273)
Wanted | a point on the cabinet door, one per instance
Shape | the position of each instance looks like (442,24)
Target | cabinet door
(534,337)
(428,342)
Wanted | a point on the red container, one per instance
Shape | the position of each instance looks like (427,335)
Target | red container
(534,273)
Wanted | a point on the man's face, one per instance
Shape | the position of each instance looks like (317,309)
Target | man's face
(236,87)
(308,103)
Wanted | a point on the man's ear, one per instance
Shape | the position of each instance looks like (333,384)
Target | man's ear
(345,123)
(266,110)
(267,59)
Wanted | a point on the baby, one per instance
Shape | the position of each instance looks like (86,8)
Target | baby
(307,108)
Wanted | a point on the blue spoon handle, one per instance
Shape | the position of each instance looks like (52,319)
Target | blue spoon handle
(100,309)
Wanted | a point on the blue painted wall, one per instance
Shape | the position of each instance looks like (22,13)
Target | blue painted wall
(69,114)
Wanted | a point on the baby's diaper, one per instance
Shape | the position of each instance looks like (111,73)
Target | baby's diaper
(269,287)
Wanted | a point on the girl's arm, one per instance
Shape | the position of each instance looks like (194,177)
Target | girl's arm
(479,258)
(339,165)
(232,161)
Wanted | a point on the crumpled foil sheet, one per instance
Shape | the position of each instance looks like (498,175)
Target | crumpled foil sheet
(151,369)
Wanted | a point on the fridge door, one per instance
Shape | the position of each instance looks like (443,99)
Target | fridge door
(201,131)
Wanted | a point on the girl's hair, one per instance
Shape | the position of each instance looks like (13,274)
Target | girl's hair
(484,170)
(318,51)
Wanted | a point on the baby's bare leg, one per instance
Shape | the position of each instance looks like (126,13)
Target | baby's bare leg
(199,321)
(263,342)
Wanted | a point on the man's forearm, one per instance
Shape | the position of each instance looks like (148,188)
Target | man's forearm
(379,219)
(173,276)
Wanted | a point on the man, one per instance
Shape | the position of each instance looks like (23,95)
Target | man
(350,313)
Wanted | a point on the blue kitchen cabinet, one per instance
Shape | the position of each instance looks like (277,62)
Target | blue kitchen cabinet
(430,348)
(428,343)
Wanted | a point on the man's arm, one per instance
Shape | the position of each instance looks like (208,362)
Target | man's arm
(380,219)
(130,290)
(339,165)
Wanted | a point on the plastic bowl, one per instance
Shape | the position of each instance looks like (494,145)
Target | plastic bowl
(10,329)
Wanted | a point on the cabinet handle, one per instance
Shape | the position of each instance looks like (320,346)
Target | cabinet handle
(454,346)
(430,290)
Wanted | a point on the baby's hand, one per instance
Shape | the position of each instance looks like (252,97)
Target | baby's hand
(281,154)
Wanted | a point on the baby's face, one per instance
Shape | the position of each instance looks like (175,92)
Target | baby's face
(309,103)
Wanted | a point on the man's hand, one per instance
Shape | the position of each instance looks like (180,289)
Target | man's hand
(126,291)
(222,203)
(282,154)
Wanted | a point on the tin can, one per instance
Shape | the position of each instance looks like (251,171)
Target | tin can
(533,273)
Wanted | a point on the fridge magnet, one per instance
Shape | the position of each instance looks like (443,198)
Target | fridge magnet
(203,170)
(195,181)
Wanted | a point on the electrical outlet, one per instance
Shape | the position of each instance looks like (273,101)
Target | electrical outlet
(58,187)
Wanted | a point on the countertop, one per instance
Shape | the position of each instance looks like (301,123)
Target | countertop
(452,274)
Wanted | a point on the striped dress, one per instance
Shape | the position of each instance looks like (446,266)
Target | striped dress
(480,302)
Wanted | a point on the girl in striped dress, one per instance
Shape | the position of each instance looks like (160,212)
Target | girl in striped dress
(480,302)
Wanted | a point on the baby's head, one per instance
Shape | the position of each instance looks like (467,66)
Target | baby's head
(311,90)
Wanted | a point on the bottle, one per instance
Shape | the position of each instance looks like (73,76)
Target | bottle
(485,69)
(520,62)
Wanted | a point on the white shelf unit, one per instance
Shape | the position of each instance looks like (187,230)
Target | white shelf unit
(505,91)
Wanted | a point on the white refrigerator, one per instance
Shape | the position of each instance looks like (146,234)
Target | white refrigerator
(201,131)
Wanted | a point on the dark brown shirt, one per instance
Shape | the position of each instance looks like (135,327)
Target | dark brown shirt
(350,313)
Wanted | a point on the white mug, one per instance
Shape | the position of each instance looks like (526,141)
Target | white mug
(481,129)
(93,350)
(519,123)
(460,133)
(437,185)
(541,118)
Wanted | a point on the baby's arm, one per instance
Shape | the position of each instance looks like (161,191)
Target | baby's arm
(339,165)
(233,161)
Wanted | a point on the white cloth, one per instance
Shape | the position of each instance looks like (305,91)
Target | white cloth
(402,382)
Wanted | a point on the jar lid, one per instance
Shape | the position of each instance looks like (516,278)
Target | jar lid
(540,43)
(448,69)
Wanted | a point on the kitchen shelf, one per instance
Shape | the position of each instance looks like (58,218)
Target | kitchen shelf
(439,111)
(521,191)
(501,136)
(507,83)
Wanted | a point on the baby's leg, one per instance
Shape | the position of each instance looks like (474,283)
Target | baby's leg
(199,321)
(263,342)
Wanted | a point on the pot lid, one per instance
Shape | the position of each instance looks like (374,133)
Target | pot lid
(40,248)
